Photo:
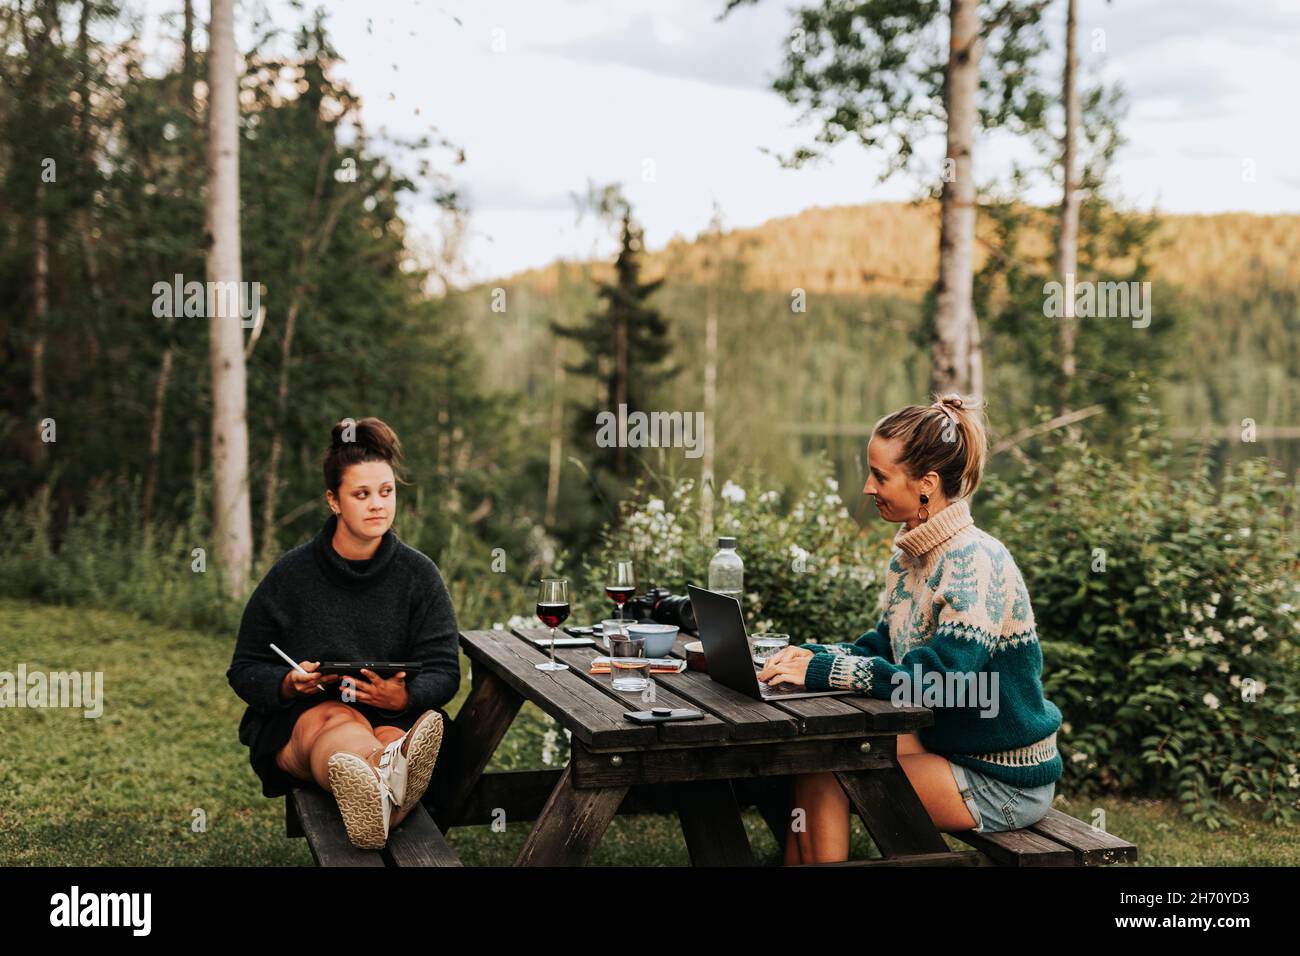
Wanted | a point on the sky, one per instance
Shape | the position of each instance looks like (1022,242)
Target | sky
(546,96)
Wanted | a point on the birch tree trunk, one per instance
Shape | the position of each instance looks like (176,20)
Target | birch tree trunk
(40,309)
(557,440)
(951,344)
(1067,238)
(710,409)
(187,66)
(231,511)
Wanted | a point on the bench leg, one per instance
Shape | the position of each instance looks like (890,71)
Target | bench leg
(471,740)
(292,825)
(571,824)
(892,812)
(711,822)
(773,797)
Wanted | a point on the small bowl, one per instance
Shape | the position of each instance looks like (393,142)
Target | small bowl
(659,638)
(695,656)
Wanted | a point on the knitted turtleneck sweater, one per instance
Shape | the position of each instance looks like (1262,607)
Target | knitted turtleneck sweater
(957,635)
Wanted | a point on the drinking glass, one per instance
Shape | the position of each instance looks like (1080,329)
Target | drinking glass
(762,645)
(629,669)
(612,627)
(620,583)
(553,610)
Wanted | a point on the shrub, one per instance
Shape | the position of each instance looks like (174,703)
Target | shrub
(1167,614)
(809,570)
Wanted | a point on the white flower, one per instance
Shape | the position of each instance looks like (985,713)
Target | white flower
(1235,680)
(1210,609)
(656,504)
(1259,633)
(1246,649)
(1211,701)
(1244,532)
(767,497)
(732,492)
(550,746)
(832,484)
(1078,757)
(1066,728)
(1223,667)
(832,501)
(1214,598)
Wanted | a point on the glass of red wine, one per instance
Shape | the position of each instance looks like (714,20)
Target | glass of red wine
(620,584)
(553,610)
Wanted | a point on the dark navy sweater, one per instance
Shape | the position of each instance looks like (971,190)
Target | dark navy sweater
(315,605)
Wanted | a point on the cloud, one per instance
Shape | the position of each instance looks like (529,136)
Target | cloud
(494,194)
(1135,25)
(691,44)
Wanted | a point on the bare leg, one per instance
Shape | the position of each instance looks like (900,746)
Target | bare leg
(931,777)
(320,733)
(826,835)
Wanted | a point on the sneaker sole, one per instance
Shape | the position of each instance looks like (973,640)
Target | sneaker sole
(360,799)
(421,755)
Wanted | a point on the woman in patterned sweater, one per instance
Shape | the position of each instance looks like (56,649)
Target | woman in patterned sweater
(956,634)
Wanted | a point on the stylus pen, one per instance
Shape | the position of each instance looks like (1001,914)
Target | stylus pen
(291,662)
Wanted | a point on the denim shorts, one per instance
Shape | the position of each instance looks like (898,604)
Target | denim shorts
(996,806)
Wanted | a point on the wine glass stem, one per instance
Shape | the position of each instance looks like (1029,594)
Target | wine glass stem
(552,645)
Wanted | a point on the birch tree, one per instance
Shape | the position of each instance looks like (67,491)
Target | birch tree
(232,516)
(892,73)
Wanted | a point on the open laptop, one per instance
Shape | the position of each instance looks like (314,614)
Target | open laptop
(726,648)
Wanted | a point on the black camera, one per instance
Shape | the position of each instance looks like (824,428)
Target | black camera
(663,607)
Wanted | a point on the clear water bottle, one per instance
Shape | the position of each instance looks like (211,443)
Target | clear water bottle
(727,571)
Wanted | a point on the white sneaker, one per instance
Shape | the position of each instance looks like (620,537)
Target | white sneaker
(407,763)
(364,802)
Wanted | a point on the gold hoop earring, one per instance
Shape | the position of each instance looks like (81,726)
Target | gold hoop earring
(923,513)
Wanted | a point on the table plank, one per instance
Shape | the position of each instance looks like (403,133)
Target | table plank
(710,727)
(589,715)
(812,715)
(828,715)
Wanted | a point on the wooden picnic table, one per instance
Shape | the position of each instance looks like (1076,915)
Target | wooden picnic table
(742,748)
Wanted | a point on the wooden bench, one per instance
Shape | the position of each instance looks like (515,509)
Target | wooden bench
(312,813)
(1056,840)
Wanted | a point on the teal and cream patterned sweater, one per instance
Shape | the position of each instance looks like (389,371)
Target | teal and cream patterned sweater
(958,625)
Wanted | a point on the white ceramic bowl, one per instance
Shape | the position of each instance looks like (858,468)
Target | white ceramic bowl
(658,637)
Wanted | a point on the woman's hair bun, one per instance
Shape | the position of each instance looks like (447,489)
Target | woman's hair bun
(366,439)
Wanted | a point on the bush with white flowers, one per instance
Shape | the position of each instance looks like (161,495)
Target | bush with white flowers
(809,570)
(1166,607)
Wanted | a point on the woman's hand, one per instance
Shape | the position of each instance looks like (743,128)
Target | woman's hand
(789,653)
(374,690)
(787,666)
(303,685)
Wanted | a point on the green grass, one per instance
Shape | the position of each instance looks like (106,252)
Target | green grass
(123,789)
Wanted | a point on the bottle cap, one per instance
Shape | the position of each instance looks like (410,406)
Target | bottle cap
(726,542)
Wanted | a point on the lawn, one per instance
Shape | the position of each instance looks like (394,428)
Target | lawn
(127,787)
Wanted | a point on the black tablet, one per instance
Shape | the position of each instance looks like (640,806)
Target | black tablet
(384,669)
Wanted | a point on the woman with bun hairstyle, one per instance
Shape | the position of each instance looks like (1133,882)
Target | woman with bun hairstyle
(354,592)
(955,611)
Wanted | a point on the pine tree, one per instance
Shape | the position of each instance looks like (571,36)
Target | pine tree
(624,345)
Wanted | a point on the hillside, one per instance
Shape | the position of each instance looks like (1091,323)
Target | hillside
(892,248)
